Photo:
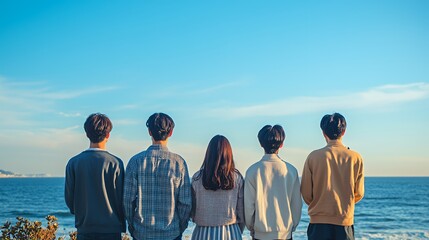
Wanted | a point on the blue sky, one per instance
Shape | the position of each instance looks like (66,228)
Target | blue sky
(220,67)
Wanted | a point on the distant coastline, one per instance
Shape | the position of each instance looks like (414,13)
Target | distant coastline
(9,174)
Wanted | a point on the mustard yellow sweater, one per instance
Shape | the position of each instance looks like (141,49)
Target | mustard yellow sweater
(332,182)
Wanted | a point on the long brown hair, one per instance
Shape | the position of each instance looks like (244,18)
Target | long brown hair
(218,169)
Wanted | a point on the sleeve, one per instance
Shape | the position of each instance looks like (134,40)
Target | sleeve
(184,203)
(307,183)
(194,201)
(130,193)
(296,203)
(249,203)
(359,183)
(119,183)
(240,204)
(69,187)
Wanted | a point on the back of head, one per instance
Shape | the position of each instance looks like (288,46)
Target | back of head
(160,126)
(271,138)
(218,167)
(333,125)
(97,126)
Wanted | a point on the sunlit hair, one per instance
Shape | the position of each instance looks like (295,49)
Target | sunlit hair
(271,138)
(160,125)
(97,126)
(218,169)
(333,125)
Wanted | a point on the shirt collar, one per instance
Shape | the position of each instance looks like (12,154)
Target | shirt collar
(158,147)
(271,157)
(96,149)
(335,142)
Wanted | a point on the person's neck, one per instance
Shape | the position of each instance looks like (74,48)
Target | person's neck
(276,152)
(338,140)
(161,142)
(100,145)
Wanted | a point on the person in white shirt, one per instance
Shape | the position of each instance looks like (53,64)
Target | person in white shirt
(272,198)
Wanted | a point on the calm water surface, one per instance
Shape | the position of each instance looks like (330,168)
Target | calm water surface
(393,207)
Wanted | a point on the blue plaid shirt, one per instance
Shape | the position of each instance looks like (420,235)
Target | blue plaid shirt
(157,194)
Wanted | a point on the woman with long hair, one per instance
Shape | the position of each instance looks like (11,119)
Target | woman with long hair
(217,194)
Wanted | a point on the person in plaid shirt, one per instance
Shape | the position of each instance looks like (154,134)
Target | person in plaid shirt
(157,188)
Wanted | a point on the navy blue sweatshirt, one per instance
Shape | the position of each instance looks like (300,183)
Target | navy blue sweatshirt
(93,191)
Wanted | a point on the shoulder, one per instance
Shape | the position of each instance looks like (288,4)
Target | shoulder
(197,176)
(134,161)
(176,157)
(113,158)
(251,171)
(178,160)
(238,174)
(138,157)
(239,179)
(106,157)
(291,168)
(317,154)
(318,151)
(353,152)
(76,158)
(355,155)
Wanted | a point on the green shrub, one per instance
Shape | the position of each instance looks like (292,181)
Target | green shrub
(24,229)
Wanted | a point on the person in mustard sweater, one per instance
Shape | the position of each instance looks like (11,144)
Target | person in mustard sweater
(332,182)
(272,200)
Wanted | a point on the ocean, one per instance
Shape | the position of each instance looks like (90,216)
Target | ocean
(393,207)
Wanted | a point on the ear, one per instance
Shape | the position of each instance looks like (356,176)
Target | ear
(108,135)
(171,133)
(281,145)
(150,133)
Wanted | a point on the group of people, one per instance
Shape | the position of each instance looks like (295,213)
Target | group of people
(157,198)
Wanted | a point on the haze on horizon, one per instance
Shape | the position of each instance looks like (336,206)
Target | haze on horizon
(217,68)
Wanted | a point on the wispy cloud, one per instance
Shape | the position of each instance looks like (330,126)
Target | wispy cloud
(128,107)
(19,100)
(59,95)
(385,95)
(46,150)
(70,115)
(30,91)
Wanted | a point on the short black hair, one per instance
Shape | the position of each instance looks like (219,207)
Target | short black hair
(271,138)
(97,126)
(160,126)
(333,125)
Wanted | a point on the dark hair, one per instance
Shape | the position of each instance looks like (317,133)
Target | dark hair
(160,126)
(271,138)
(97,126)
(333,125)
(218,169)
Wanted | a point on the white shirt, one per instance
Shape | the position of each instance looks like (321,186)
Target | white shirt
(272,198)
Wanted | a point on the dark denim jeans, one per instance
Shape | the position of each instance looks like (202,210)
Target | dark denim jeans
(322,231)
(276,239)
(99,236)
